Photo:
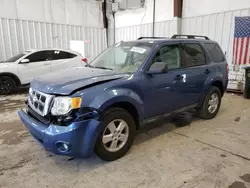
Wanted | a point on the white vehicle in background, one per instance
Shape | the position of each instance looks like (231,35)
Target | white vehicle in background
(22,68)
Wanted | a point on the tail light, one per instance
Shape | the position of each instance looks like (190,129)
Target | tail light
(85,60)
(227,71)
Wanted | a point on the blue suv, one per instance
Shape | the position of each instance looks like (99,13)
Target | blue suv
(99,108)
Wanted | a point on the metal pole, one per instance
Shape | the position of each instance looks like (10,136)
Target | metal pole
(154,19)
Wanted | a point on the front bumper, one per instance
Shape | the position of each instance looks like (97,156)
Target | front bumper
(80,137)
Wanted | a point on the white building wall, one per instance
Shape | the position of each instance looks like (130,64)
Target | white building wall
(214,19)
(73,12)
(192,8)
(26,24)
(131,24)
(163,9)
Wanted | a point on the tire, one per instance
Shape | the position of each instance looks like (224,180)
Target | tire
(7,85)
(114,116)
(204,111)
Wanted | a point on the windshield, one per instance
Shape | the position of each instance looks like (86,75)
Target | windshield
(16,57)
(123,57)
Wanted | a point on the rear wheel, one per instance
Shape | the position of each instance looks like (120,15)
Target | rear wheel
(117,136)
(7,85)
(211,103)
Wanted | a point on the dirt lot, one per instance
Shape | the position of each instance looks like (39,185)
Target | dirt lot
(214,153)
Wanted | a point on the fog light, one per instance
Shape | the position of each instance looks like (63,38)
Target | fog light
(62,147)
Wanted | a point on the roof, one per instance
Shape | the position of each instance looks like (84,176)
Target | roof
(178,38)
(42,49)
(158,41)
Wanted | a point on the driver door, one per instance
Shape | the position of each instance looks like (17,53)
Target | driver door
(162,89)
(39,64)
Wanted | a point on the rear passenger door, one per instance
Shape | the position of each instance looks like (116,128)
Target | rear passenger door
(197,71)
(63,60)
(218,58)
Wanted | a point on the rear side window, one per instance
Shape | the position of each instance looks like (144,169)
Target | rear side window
(39,56)
(193,55)
(62,55)
(215,51)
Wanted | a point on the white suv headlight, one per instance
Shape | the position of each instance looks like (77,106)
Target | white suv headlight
(63,105)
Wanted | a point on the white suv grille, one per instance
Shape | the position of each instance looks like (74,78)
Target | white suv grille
(39,102)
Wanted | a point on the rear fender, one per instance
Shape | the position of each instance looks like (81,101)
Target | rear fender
(110,97)
(209,82)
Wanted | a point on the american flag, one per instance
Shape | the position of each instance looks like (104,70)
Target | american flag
(241,43)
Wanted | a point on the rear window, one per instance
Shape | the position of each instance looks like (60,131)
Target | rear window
(193,55)
(215,52)
(62,55)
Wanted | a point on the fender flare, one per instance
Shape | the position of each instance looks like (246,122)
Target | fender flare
(209,82)
(110,97)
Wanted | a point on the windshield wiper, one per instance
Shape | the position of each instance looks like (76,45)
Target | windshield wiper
(88,65)
(106,68)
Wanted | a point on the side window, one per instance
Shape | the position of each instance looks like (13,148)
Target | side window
(193,55)
(167,55)
(215,51)
(61,55)
(39,56)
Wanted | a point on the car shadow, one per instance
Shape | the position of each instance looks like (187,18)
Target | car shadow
(147,133)
(18,91)
(164,126)
(21,90)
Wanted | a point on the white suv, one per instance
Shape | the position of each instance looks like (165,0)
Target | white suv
(22,68)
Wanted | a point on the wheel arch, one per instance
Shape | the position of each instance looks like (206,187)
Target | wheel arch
(15,77)
(219,84)
(122,98)
(130,108)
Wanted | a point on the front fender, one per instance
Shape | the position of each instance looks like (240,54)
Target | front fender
(110,97)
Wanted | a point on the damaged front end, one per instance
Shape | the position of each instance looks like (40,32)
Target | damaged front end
(76,115)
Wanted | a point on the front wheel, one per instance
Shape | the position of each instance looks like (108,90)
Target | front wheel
(211,103)
(7,85)
(117,136)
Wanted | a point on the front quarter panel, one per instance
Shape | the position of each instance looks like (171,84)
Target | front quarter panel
(112,96)
(9,67)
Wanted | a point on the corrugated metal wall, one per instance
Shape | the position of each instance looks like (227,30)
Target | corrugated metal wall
(218,27)
(19,35)
(162,29)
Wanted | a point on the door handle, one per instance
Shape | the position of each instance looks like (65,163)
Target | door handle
(46,63)
(179,77)
(207,71)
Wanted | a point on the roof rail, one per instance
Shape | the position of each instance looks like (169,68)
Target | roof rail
(140,38)
(190,36)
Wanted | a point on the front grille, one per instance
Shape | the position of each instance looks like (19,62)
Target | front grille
(44,119)
(39,102)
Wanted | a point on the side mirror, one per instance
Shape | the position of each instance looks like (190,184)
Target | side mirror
(23,61)
(158,68)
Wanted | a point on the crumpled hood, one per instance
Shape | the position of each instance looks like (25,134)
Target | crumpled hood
(66,81)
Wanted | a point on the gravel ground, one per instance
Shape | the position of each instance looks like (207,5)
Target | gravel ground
(214,153)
